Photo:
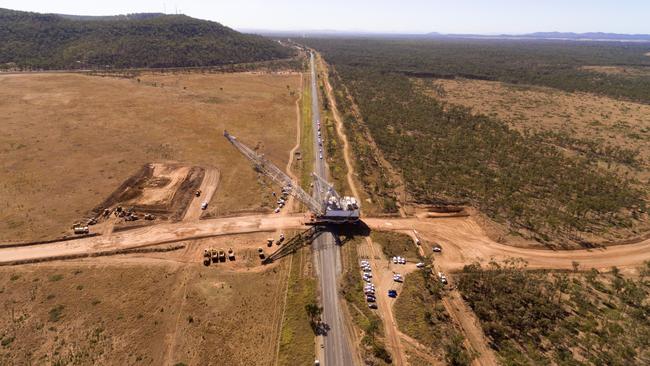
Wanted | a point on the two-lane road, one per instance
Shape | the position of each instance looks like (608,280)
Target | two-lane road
(337,351)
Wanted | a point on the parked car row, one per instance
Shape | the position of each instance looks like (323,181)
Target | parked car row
(369,287)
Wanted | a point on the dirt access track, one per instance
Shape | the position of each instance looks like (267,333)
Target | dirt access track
(462,238)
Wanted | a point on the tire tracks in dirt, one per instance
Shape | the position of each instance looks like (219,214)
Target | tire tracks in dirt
(170,339)
(208,187)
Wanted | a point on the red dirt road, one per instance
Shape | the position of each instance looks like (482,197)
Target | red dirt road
(462,239)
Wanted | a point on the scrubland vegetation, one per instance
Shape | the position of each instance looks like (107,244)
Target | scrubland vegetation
(543,317)
(449,155)
(420,314)
(50,41)
(555,64)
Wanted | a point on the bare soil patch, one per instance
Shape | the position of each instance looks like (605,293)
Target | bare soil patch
(138,311)
(631,71)
(162,190)
(67,140)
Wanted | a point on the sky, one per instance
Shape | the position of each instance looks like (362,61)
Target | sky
(383,16)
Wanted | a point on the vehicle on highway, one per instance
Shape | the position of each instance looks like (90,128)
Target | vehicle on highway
(321,156)
(204,205)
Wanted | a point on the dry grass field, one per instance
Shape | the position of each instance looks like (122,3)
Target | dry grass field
(163,308)
(603,121)
(68,140)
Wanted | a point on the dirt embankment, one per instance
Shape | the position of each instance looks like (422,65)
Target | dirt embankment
(162,190)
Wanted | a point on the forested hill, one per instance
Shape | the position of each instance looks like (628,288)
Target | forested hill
(51,41)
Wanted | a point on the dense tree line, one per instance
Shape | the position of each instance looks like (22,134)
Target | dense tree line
(556,64)
(447,155)
(49,41)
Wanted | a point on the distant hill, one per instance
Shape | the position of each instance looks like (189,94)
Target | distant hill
(54,41)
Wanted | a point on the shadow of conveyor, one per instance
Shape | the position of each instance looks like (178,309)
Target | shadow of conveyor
(342,233)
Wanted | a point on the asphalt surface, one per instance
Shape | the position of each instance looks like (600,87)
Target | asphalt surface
(327,257)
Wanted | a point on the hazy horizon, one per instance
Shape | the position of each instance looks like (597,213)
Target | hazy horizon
(382,16)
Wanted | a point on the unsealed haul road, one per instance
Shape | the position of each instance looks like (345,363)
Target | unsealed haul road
(327,256)
(152,235)
(461,237)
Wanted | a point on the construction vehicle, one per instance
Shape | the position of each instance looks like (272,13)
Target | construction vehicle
(149,217)
(214,255)
(79,229)
(327,206)
(91,221)
(131,217)
(222,255)
(231,254)
(269,242)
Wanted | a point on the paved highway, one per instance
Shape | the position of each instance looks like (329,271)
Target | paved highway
(337,351)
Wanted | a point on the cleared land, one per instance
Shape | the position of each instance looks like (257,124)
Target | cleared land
(69,140)
(161,308)
(580,122)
